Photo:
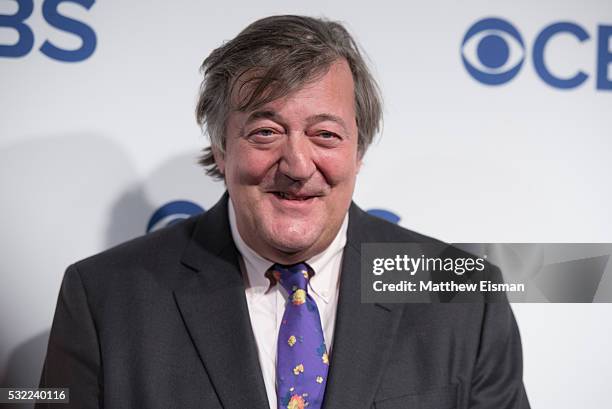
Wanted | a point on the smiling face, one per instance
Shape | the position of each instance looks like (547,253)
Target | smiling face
(290,167)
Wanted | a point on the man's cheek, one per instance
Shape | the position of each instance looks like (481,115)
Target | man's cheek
(248,171)
(338,173)
(340,164)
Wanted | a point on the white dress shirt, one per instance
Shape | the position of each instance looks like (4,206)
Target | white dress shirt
(267,305)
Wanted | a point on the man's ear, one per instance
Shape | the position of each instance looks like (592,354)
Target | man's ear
(219,159)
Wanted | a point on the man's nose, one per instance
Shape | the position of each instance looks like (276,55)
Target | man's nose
(296,162)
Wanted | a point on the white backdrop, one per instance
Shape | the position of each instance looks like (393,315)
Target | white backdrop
(90,149)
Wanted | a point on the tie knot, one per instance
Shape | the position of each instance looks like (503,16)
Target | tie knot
(292,277)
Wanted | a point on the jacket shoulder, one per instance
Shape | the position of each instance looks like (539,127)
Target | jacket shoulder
(157,250)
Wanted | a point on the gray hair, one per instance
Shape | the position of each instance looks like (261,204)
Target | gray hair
(271,58)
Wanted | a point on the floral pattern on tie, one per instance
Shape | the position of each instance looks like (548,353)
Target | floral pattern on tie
(298,369)
(302,361)
(298,297)
(296,402)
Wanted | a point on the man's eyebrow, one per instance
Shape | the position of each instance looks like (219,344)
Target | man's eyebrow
(311,120)
(327,117)
(263,114)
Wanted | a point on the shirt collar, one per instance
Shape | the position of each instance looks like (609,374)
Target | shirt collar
(323,283)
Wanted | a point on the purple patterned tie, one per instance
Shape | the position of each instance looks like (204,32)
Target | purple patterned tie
(302,361)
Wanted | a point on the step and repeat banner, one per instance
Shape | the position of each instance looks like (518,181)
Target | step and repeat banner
(497,129)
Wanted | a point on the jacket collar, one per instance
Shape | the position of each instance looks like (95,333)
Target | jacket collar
(214,309)
(211,237)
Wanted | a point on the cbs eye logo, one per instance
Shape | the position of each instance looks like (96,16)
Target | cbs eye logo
(493,51)
(171,213)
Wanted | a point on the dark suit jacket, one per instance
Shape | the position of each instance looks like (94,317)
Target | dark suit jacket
(162,322)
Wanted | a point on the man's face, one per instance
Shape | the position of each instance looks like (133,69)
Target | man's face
(290,167)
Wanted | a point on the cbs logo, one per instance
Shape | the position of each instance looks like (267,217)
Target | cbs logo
(16,22)
(493,52)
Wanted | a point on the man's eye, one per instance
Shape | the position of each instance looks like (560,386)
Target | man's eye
(327,135)
(264,132)
(264,135)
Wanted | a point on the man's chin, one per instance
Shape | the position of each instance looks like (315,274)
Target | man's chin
(292,246)
(289,250)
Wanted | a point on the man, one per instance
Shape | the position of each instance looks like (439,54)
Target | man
(256,303)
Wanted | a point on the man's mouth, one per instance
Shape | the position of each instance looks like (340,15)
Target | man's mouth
(289,196)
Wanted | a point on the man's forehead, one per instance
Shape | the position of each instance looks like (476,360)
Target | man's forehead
(256,89)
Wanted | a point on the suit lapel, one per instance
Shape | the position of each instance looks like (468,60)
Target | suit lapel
(214,309)
(363,335)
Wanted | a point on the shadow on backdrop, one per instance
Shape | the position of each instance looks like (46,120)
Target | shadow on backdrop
(177,178)
(25,365)
(76,187)
(57,190)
